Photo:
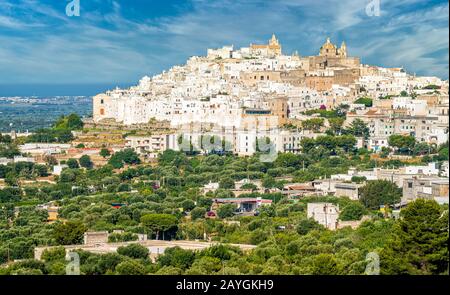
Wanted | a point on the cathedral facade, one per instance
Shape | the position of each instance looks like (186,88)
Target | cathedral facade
(272,49)
(332,56)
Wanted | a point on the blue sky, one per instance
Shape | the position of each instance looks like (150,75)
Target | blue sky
(118,41)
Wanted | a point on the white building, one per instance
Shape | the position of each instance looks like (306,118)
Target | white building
(444,169)
(6,161)
(151,145)
(326,214)
(43,148)
(18,159)
(57,169)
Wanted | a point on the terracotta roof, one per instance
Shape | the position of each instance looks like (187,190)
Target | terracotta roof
(300,187)
(371,112)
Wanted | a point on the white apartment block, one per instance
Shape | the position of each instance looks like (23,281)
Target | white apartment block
(151,145)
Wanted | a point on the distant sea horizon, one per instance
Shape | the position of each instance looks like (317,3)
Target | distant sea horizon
(42,90)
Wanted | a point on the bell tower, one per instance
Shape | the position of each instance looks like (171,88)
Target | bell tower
(343,50)
(274,41)
(274,45)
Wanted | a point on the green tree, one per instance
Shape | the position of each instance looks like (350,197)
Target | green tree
(198,213)
(306,225)
(73,164)
(127,156)
(420,241)
(50,160)
(205,266)
(336,124)
(5,138)
(226,183)
(58,253)
(10,195)
(69,233)
(67,176)
(107,263)
(177,257)
(135,251)
(367,101)
(353,211)
(11,179)
(160,223)
(188,205)
(422,148)
(226,211)
(287,160)
(6,210)
(313,124)
(379,192)
(130,268)
(74,122)
(85,162)
(358,179)
(359,129)
(403,143)
(249,186)
(105,153)
(71,122)
(269,182)
(324,264)
(443,152)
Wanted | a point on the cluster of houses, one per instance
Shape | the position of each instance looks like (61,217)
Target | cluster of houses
(241,95)
(426,182)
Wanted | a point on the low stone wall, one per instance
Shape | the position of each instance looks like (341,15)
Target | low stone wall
(112,125)
(156,247)
(352,223)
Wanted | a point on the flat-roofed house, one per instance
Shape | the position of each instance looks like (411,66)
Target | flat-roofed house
(326,214)
(431,188)
(91,238)
(350,190)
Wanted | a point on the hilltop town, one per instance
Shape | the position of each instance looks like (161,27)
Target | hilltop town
(243,161)
(239,95)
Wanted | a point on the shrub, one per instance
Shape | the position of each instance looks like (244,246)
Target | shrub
(134,251)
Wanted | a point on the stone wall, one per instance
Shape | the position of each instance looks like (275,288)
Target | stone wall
(113,125)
